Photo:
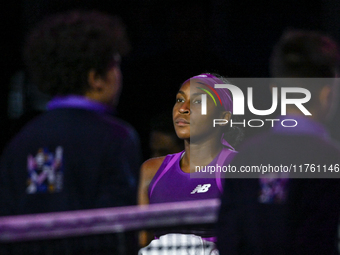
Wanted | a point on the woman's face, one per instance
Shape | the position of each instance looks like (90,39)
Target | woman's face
(187,117)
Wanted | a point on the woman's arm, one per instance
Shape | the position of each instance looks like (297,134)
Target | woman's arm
(148,170)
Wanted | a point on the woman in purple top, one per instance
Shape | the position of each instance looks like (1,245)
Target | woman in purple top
(175,177)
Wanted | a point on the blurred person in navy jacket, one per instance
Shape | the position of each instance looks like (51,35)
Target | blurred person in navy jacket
(285,213)
(76,155)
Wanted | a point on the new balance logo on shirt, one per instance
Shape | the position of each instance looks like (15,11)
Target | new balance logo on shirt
(201,188)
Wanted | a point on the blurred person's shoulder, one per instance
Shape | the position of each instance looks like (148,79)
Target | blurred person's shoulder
(122,127)
(72,123)
(254,142)
(274,145)
(335,143)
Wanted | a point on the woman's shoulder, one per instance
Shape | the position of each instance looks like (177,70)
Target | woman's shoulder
(150,167)
(152,164)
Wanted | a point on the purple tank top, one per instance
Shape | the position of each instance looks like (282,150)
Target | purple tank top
(171,184)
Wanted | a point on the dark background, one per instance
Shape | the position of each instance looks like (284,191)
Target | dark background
(172,41)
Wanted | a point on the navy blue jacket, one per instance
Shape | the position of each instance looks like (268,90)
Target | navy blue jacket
(100,162)
(70,159)
(305,222)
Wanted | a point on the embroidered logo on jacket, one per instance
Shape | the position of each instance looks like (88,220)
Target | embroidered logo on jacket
(273,190)
(201,188)
(45,171)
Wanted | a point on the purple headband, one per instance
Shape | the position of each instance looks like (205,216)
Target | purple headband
(223,94)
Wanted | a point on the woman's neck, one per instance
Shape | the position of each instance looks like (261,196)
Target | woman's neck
(199,154)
